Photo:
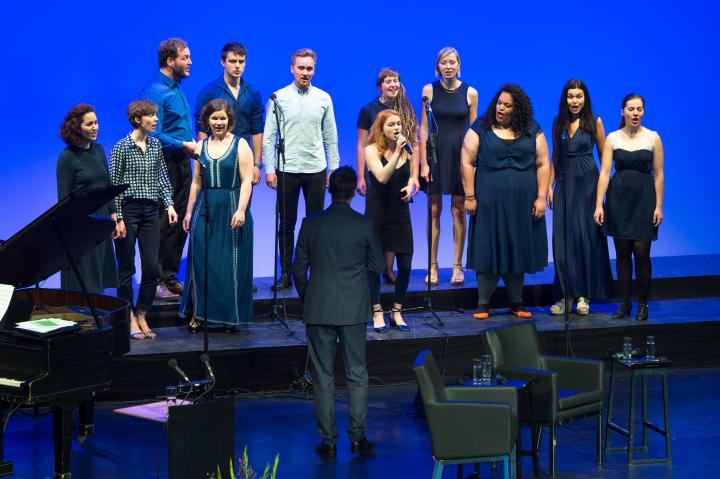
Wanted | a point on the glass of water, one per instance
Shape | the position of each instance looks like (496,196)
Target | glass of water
(477,370)
(486,368)
(627,348)
(170,396)
(650,347)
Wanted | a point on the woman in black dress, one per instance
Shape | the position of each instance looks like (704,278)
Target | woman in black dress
(392,96)
(82,166)
(454,106)
(505,171)
(573,182)
(389,189)
(633,206)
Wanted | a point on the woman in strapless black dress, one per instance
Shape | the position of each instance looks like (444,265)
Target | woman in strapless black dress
(454,108)
(633,206)
(390,188)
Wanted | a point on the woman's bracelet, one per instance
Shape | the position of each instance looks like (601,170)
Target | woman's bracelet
(470,197)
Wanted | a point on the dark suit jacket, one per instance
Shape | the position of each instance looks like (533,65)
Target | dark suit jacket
(338,246)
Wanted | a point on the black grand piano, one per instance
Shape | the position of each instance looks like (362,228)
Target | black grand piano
(63,370)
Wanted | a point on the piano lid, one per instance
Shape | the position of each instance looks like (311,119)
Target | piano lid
(36,252)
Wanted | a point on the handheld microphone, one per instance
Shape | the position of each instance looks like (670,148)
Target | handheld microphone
(407,146)
(205,359)
(428,108)
(174,365)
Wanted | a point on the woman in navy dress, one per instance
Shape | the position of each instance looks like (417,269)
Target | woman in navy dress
(224,170)
(505,171)
(389,190)
(392,97)
(454,105)
(573,182)
(633,206)
(81,166)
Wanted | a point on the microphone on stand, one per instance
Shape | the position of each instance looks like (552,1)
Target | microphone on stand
(174,365)
(205,359)
(428,108)
(274,99)
(407,146)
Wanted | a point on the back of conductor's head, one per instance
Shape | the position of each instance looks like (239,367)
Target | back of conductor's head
(342,184)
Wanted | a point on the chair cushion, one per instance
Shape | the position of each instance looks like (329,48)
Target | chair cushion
(570,398)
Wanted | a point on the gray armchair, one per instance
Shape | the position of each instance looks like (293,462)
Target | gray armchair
(467,424)
(564,389)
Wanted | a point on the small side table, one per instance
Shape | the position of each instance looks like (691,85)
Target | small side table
(522,388)
(641,368)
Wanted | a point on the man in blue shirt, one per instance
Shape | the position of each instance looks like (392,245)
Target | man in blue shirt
(241,97)
(174,131)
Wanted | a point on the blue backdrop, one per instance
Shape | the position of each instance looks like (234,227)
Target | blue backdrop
(60,54)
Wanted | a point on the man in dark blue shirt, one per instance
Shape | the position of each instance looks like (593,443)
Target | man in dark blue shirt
(174,131)
(242,97)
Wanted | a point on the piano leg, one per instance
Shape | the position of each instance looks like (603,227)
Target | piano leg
(6,467)
(62,438)
(86,418)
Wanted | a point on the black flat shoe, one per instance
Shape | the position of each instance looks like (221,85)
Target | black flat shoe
(326,450)
(642,312)
(193,327)
(623,311)
(363,446)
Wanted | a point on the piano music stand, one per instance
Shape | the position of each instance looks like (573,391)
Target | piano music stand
(55,239)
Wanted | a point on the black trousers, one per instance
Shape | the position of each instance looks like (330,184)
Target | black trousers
(172,237)
(404,262)
(141,222)
(487,282)
(288,191)
(322,341)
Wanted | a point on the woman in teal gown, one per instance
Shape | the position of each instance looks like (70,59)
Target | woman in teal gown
(222,180)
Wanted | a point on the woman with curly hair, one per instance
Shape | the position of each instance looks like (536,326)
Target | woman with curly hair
(454,105)
(81,166)
(390,189)
(505,172)
(633,208)
(573,182)
(392,97)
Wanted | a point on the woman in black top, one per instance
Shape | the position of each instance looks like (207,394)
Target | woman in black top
(82,166)
(392,96)
(454,106)
(389,189)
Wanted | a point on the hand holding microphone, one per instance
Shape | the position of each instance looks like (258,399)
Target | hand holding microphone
(402,142)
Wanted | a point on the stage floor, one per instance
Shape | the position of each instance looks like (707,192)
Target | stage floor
(124,447)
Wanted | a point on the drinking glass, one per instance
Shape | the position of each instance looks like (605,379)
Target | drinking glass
(486,368)
(627,348)
(477,370)
(650,347)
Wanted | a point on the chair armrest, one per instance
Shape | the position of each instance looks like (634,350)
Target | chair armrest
(581,374)
(462,429)
(497,394)
(543,392)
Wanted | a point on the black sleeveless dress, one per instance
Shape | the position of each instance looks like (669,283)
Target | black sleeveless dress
(630,198)
(450,109)
(588,266)
(391,214)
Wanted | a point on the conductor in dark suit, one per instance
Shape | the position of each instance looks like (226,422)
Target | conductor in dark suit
(339,248)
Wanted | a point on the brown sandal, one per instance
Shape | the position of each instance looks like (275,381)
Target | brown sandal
(143,325)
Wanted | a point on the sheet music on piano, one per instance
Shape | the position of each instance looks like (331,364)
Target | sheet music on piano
(6,293)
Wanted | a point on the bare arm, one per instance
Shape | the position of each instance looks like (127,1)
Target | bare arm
(553,166)
(472,98)
(542,171)
(375,166)
(603,181)
(659,174)
(362,135)
(423,157)
(245,168)
(600,137)
(201,135)
(257,156)
(468,157)
(195,188)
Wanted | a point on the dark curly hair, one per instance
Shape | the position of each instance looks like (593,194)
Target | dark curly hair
(587,121)
(70,127)
(522,115)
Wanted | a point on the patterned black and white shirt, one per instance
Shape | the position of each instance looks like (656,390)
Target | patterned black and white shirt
(144,171)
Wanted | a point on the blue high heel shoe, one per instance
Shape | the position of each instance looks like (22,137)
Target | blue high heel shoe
(383,328)
(393,324)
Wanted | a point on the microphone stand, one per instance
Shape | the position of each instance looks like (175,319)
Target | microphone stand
(564,272)
(428,303)
(208,226)
(279,312)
